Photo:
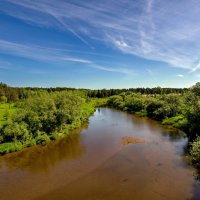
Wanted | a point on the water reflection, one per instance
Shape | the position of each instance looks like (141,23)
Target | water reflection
(173,134)
(42,158)
(197,175)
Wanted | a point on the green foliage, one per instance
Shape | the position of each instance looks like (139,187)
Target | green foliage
(134,104)
(178,121)
(10,147)
(16,132)
(196,89)
(44,117)
(6,111)
(1,138)
(155,108)
(3,99)
(42,138)
(54,136)
(193,117)
(195,152)
(180,111)
(116,102)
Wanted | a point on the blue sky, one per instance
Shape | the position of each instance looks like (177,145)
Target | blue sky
(100,44)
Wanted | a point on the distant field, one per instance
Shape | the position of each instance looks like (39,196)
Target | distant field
(6,109)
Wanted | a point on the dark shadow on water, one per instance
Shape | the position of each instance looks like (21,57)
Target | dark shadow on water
(173,134)
(197,186)
(197,176)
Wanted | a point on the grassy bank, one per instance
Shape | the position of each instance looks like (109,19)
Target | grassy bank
(42,118)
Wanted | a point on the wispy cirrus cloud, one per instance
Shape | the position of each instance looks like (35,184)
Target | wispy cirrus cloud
(150,72)
(39,53)
(151,29)
(121,70)
(5,65)
(195,68)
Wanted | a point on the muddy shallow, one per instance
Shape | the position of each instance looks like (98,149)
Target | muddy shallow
(94,163)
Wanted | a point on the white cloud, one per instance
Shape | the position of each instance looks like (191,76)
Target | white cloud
(160,30)
(180,75)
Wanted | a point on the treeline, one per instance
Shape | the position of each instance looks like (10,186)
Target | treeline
(12,94)
(179,110)
(42,118)
(144,91)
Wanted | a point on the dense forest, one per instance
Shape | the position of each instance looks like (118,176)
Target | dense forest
(31,116)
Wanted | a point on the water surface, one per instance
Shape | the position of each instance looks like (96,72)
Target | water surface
(94,164)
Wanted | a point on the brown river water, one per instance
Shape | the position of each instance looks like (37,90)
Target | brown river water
(95,163)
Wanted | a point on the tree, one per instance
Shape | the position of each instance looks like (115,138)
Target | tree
(196,89)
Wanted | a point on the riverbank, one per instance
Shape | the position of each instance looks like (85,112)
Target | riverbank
(42,118)
(179,111)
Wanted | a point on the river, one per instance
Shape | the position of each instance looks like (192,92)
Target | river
(95,163)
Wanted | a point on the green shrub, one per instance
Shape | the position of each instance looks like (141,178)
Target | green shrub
(195,152)
(43,138)
(16,132)
(152,107)
(54,136)
(178,121)
(134,105)
(30,143)
(1,138)
(10,147)
(193,117)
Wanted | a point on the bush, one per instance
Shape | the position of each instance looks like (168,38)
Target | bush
(16,132)
(195,152)
(30,143)
(134,105)
(54,136)
(10,147)
(152,107)
(42,138)
(193,117)
(115,101)
(178,121)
